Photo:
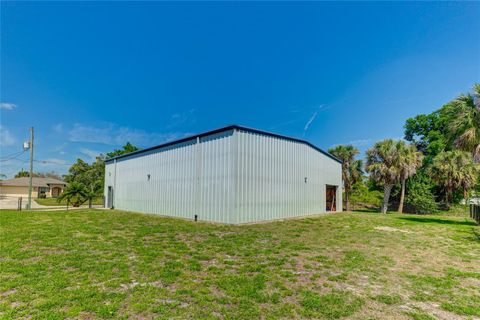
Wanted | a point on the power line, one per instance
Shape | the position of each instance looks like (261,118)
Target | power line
(16,159)
(39,161)
(12,156)
(13,165)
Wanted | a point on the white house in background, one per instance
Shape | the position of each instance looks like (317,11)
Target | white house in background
(18,187)
(229,175)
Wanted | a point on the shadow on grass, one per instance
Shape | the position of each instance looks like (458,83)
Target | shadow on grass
(437,220)
(476,234)
(366,210)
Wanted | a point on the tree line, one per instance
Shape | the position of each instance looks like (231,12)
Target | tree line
(436,164)
(86,181)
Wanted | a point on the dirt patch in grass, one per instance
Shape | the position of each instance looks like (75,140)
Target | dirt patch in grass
(434,310)
(390,229)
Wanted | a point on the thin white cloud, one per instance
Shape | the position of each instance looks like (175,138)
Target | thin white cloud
(360,142)
(311,119)
(182,118)
(90,153)
(111,134)
(309,122)
(58,128)
(82,133)
(367,142)
(60,148)
(7,106)
(6,138)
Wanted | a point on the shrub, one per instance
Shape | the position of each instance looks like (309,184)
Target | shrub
(75,193)
(361,195)
(420,198)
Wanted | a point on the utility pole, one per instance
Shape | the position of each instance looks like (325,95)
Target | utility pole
(31,171)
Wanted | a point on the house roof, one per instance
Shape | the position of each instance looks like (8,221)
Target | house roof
(223,129)
(36,182)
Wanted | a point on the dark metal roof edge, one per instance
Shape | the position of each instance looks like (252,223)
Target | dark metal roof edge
(223,129)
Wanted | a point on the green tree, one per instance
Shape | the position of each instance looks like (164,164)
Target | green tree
(351,168)
(430,132)
(382,164)
(97,174)
(465,127)
(420,197)
(468,179)
(21,174)
(363,196)
(92,176)
(454,170)
(78,172)
(409,160)
(96,178)
(75,193)
(127,148)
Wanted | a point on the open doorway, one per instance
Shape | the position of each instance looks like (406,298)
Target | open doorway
(331,197)
(110,197)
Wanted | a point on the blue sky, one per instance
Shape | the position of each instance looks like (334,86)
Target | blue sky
(91,76)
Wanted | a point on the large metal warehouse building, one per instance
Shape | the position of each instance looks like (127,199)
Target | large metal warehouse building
(229,175)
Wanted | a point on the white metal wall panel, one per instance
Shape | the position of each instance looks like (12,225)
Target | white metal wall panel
(271,176)
(215,178)
(185,180)
(231,177)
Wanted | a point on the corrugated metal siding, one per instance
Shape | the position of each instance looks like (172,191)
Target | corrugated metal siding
(229,177)
(215,178)
(192,178)
(271,176)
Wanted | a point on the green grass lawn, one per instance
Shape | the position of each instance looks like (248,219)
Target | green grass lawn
(110,264)
(54,202)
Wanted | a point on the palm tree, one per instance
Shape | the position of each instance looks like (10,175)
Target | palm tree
(75,193)
(444,170)
(465,128)
(467,174)
(382,164)
(409,160)
(351,168)
(468,178)
(453,170)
